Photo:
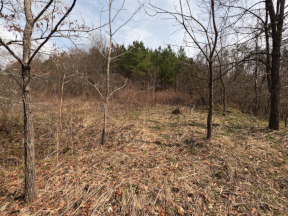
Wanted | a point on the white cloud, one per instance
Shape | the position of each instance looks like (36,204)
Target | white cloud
(153,31)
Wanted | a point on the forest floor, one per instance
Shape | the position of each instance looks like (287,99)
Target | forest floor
(154,163)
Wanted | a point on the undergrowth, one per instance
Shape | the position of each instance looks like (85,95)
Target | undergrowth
(154,163)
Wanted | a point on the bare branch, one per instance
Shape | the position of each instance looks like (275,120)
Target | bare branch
(44,9)
(11,75)
(94,87)
(12,53)
(118,88)
(52,32)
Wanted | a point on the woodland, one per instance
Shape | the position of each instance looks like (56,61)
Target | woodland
(104,128)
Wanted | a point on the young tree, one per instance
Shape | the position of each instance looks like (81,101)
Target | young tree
(109,59)
(204,32)
(42,21)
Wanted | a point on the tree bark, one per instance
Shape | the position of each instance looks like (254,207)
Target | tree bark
(29,152)
(275,83)
(277,20)
(256,86)
(210,112)
(107,79)
(224,91)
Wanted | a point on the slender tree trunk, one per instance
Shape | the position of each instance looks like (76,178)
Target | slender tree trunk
(29,151)
(256,87)
(210,112)
(61,100)
(104,138)
(257,92)
(224,97)
(105,123)
(224,92)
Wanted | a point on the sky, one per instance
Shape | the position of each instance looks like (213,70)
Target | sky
(153,31)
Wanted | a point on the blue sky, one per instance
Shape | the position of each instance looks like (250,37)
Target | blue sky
(153,31)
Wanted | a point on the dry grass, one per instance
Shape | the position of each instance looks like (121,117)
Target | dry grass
(154,163)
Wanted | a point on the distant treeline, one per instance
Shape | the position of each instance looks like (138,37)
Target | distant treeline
(162,69)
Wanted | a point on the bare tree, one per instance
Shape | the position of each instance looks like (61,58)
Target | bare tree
(203,32)
(39,26)
(109,59)
(270,17)
(277,16)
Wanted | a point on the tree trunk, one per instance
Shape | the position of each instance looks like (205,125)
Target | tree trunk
(224,98)
(256,86)
(104,124)
(210,112)
(277,20)
(274,104)
(275,83)
(104,138)
(224,92)
(29,152)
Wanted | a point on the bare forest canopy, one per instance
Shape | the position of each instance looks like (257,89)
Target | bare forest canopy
(161,69)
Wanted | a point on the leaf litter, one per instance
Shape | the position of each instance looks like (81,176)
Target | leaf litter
(155,163)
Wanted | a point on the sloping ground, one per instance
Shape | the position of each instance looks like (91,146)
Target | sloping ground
(156,163)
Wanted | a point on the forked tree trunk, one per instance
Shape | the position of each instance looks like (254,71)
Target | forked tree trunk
(210,112)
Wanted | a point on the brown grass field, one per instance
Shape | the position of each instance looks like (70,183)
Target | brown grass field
(154,163)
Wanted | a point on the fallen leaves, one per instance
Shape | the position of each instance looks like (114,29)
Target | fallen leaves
(126,178)
(180,210)
(253,211)
(119,192)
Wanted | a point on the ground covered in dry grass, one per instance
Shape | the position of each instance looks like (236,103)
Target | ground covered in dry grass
(154,163)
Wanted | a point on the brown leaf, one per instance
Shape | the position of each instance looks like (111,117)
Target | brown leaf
(253,210)
(233,210)
(243,193)
(161,211)
(119,191)
(180,211)
(209,199)
(144,187)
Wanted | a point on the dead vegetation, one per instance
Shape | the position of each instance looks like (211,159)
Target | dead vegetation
(154,163)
